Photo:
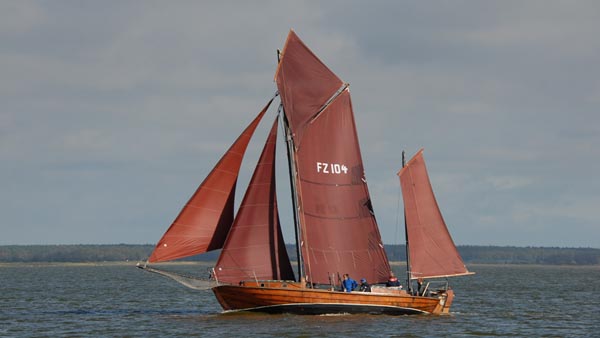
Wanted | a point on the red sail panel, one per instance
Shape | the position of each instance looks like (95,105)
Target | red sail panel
(339,233)
(431,249)
(203,223)
(304,82)
(254,247)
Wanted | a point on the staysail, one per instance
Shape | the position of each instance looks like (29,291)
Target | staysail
(431,249)
(203,223)
(254,248)
(339,233)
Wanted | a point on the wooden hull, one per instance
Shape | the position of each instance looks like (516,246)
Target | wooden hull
(290,297)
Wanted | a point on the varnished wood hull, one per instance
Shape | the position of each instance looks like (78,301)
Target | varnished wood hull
(282,297)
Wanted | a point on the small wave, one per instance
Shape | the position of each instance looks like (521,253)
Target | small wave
(336,314)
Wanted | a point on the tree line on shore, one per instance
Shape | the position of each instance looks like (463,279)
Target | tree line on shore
(140,252)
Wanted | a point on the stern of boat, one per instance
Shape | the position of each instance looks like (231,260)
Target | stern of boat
(443,307)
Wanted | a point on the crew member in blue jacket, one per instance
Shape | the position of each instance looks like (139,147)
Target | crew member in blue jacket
(348,284)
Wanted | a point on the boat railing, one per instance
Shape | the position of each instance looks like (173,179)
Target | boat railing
(433,288)
(248,272)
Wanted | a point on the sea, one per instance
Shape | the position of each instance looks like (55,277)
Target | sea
(119,300)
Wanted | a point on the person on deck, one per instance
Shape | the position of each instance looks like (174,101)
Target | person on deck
(364,286)
(393,280)
(420,287)
(348,284)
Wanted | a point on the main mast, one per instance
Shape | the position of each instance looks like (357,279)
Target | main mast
(292,173)
(408,270)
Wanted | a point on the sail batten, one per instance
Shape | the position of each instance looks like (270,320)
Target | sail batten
(305,84)
(210,209)
(432,251)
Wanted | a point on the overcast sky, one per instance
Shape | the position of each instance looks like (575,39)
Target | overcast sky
(112,112)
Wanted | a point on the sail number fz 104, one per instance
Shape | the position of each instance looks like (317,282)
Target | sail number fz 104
(331,168)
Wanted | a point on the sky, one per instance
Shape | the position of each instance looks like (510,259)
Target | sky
(113,112)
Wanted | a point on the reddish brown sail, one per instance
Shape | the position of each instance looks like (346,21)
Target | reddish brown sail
(431,249)
(305,84)
(254,248)
(205,220)
(339,233)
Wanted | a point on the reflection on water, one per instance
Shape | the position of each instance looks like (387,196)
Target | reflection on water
(120,300)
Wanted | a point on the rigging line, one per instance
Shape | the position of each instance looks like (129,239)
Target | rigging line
(279,111)
(331,99)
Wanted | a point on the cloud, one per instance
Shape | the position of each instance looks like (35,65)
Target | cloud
(123,107)
(509,182)
(20,17)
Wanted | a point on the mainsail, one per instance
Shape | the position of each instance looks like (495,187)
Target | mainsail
(254,248)
(339,233)
(431,249)
(203,223)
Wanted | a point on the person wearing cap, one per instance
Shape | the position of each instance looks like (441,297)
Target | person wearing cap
(364,286)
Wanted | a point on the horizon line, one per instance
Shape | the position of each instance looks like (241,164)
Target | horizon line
(459,245)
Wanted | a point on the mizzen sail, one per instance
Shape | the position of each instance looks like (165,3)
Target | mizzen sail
(339,233)
(203,223)
(431,249)
(254,248)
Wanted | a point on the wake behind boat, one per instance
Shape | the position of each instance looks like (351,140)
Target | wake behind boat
(335,226)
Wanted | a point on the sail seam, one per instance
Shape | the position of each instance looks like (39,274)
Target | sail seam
(332,184)
(200,206)
(225,192)
(325,217)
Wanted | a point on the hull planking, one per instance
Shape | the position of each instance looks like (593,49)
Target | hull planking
(291,297)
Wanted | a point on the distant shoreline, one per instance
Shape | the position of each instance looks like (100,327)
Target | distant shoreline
(105,263)
(208,263)
(133,253)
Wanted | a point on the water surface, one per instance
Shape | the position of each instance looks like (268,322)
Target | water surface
(120,300)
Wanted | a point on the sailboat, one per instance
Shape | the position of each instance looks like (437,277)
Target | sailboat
(335,227)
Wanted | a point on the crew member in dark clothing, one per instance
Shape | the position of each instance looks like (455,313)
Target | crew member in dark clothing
(364,286)
(393,280)
(420,287)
